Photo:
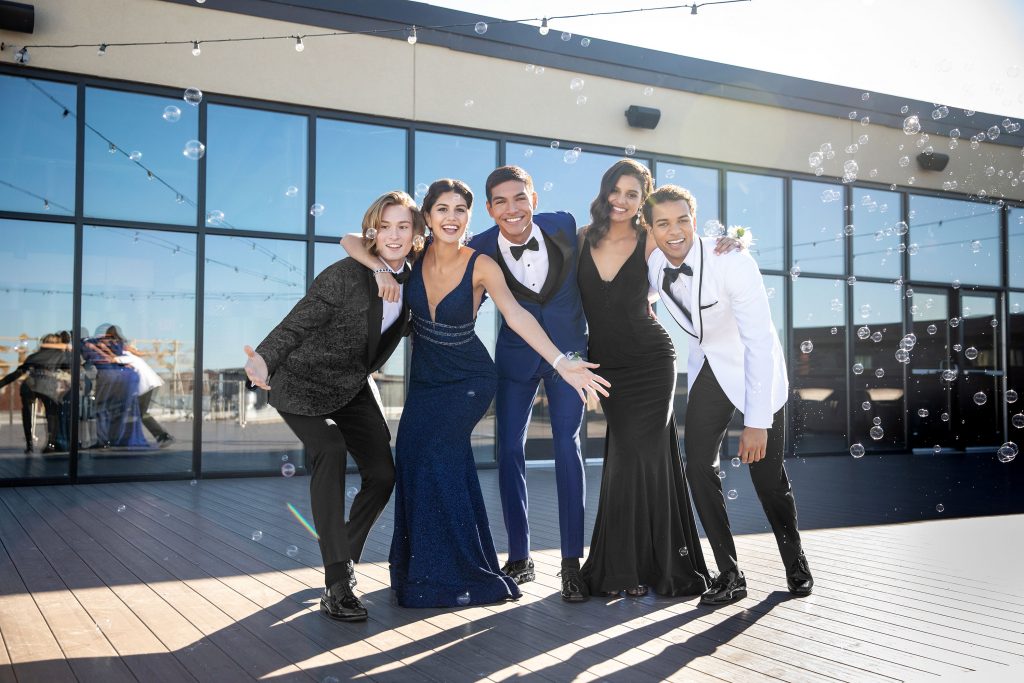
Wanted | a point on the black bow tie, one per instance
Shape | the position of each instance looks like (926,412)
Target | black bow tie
(672,274)
(517,251)
(403,276)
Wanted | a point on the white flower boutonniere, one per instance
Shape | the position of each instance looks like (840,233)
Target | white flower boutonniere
(742,235)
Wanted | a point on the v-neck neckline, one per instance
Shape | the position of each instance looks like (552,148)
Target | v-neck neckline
(432,310)
(621,267)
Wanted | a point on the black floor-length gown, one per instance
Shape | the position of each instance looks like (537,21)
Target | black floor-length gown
(645,532)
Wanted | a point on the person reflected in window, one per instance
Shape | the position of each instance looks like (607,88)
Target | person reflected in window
(149,383)
(118,418)
(47,373)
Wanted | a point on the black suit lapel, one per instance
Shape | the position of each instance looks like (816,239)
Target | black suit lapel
(374,316)
(517,287)
(559,254)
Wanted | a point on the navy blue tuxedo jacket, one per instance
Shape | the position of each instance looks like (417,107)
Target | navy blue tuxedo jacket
(557,306)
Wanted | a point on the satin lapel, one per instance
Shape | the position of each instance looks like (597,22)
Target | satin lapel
(517,287)
(696,313)
(374,316)
(559,255)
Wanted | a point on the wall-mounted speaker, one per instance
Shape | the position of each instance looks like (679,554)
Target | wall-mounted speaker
(643,117)
(15,16)
(932,162)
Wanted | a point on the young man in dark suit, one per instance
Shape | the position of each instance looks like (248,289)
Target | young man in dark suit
(320,358)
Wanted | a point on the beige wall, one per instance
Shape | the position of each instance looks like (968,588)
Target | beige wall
(387,77)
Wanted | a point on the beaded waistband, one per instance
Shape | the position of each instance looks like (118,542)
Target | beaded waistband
(445,335)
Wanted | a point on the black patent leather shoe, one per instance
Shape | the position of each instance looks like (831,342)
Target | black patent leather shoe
(340,603)
(799,579)
(728,587)
(520,571)
(573,587)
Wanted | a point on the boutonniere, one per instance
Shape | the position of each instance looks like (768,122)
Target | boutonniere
(742,235)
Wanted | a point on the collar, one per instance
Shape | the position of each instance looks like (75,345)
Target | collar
(505,245)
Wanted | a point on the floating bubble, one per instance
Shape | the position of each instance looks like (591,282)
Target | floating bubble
(288,470)
(912,125)
(858,368)
(980,398)
(904,109)
(732,495)
(957,347)
(876,421)
(913,248)
(291,551)
(463,598)
(193,96)
(576,84)
(992,132)
(1007,452)
(351,492)
(256,535)
(630,150)
(1010,396)
(1018,420)
(901,228)
(834,330)
(648,91)
(194,150)
(922,412)
(971,353)
(880,373)
(904,161)
(975,246)
(135,156)
(121,508)
(684,551)
(566,36)
(806,346)
(902,356)
(193,482)
(555,144)
(876,337)
(852,115)
(940,508)
(215,217)
(171,114)
(954,322)
(794,272)
(721,474)
(480,27)
(852,280)
(548,186)
(877,432)
(814,159)
(936,449)
(949,375)
(584,42)
(857,450)
(940,113)
(291,191)
(736,462)
(993,323)
(468,103)
(571,156)
(317,210)
(866,405)
(581,100)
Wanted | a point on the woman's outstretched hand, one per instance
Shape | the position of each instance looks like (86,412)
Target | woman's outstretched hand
(256,369)
(577,373)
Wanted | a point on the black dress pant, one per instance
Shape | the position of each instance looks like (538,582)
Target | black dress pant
(154,427)
(359,429)
(708,414)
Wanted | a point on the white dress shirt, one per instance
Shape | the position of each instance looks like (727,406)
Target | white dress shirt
(532,268)
(392,309)
(682,288)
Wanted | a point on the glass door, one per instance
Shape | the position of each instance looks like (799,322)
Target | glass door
(929,393)
(979,390)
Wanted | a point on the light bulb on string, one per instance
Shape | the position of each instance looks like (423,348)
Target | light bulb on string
(195,48)
(102,51)
(21,56)
(543,26)
(299,47)
(693,8)
(412,36)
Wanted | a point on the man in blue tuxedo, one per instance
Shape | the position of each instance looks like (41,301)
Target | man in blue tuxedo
(537,253)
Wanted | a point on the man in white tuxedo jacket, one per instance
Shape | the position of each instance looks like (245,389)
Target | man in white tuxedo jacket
(735,363)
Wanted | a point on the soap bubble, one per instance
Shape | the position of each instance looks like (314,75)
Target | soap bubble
(288,470)
(922,412)
(732,495)
(857,450)
(736,462)
(481,27)
(584,42)
(876,420)
(980,398)
(581,100)
(971,353)
(954,322)
(351,492)
(912,125)
(806,346)
(902,356)
(193,96)
(630,150)
(194,150)
(135,155)
(1011,396)
(936,449)
(876,337)
(858,368)
(1018,420)
(171,114)
(794,272)
(877,432)
(944,417)
(1007,452)
(291,191)
(866,405)
(940,508)
(880,373)
(684,551)
(463,598)
(576,84)
(121,508)
(555,144)
(949,375)
(256,535)
(317,210)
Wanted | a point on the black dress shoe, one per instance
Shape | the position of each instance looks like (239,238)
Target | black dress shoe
(165,440)
(798,578)
(340,603)
(520,571)
(573,587)
(729,586)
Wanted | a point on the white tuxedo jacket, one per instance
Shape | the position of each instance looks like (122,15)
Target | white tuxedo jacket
(732,327)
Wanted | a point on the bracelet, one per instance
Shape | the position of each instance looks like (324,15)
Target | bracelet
(554,363)
(383,270)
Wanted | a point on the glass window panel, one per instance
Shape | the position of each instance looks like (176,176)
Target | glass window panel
(957,240)
(877,306)
(138,405)
(467,159)
(755,202)
(818,231)
(1015,225)
(775,286)
(1015,363)
(324,254)
(355,164)
(876,238)
(36,277)
(251,284)
(256,170)
(159,183)
(818,410)
(564,181)
(701,182)
(37,159)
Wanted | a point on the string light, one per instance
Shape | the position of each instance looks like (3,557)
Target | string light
(195,48)
(412,36)
(693,8)
(543,30)
(21,56)
(102,51)
(299,47)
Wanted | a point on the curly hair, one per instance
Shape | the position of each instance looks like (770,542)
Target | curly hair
(599,211)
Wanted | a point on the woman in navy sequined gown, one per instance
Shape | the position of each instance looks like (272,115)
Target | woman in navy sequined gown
(442,553)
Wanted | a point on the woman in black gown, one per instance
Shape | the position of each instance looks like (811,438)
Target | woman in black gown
(645,533)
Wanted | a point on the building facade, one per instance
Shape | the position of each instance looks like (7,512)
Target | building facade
(186,201)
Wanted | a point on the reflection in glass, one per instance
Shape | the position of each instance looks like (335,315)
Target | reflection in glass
(134,165)
(36,272)
(929,395)
(981,372)
(1015,224)
(37,159)
(138,350)
(355,164)
(755,202)
(818,375)
(1015,365)
(701,182)
(251,284)
(564,180)
(958,240)
(256,170)
(455,156)
(818,231)
(775,286)
(876,241)
(326,253)
(878,307)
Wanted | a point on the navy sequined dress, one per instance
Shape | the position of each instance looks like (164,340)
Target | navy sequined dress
(442,554)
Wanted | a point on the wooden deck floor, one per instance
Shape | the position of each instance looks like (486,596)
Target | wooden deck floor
(164,582)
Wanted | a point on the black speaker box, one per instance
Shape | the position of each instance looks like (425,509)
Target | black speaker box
(15,16)
(643,117)
(933,161)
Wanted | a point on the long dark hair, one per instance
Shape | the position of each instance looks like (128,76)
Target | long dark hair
(599,212)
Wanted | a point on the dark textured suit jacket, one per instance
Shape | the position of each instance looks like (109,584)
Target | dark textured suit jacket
(320,355)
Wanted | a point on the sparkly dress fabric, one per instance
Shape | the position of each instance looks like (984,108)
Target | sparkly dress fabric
(644,533)
(442,553)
